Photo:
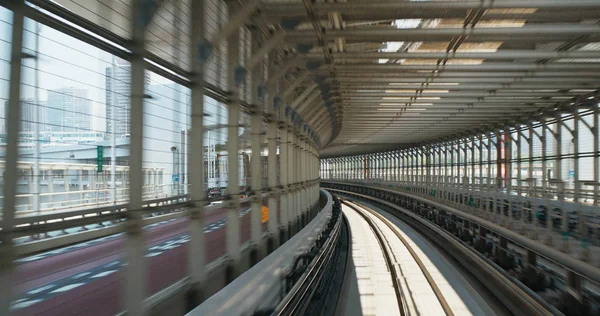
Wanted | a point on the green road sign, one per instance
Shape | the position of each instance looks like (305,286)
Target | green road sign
(100,157)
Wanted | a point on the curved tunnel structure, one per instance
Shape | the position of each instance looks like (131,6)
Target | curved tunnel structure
(248,156)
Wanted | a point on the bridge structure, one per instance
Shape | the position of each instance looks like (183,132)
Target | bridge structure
(369,157)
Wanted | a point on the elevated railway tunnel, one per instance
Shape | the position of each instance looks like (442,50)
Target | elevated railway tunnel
(475,123)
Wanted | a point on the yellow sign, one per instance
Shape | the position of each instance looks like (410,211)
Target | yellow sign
(264,211)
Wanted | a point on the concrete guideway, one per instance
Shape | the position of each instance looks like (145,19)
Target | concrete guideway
(576,294)
(419,265)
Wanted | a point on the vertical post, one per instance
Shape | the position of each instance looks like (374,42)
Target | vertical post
(544,139)
(12,152)
(272,171)
(596,158)
(508,172)
(489,183)
(445,184)
(575,140)
(452,162)
(284,176)
(466,177)
(36,125)
(531,182)
(255,166)
(519,162)
(459,171)
(135,272)
(233,218)
(481,148)
(292,177)
(284,170)
(472,186)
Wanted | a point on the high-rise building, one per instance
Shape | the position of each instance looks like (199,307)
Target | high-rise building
(28,115)
(118,78)
(117,92)
(68,110)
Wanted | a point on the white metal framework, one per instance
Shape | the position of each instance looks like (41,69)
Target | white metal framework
(214,50)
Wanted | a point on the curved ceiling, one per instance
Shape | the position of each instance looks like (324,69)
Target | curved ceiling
(400,73)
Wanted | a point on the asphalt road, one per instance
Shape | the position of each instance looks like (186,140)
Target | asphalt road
(84,279)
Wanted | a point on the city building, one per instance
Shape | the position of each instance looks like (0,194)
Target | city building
(28,115)
(68,110)
(117,92)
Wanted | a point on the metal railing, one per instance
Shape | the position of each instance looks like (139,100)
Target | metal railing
(527,212)
(260,288)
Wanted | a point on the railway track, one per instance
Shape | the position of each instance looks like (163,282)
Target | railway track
(412,289)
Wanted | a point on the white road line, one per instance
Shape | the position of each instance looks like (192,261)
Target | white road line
(112,263)
(67,287)
(41,289)
(153,254)
(24,304)
(102,274)
(80,275)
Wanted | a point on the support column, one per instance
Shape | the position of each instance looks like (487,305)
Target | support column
(284,170)
(545,174)
(508,172)
(232,199)
(293,211)
(596,157)
(197,247)
(304,167)
(481,148)
(272,174)
(135,276)
(255,166)
(13,120)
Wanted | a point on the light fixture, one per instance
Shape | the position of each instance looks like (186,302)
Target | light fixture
(429,83)
(408,103)
(582,90)
(403,111)
(397,98)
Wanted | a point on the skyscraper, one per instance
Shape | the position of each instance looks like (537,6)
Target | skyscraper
(118,78)
(28,118)
(117,92)
(68,110)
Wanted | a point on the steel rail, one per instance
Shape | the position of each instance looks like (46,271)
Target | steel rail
(386,256)
(301,291)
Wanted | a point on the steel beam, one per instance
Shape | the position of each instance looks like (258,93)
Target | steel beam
(305,94)
(256,141)
(13,121)
(366,10)
(302,78)
(135,271)
(197,248)
(448,74)
(511,54)
(495,95)
(449,83)
(486,67)
(477,86)
(233,116)
(531,33)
